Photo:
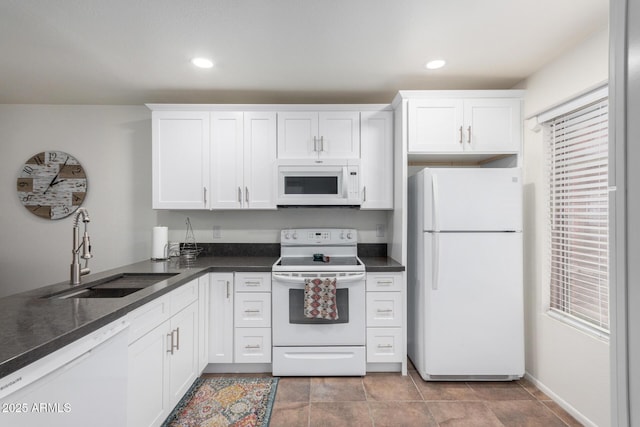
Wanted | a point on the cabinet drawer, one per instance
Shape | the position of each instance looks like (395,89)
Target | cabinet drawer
(183,296)
(384,345)
(252,345)
(384,309)
(253,282)
(147,317)
(381,282)
(252,309)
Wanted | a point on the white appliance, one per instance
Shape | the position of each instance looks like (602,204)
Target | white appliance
(82,384)
(465,277)
(318,347)
(319,182)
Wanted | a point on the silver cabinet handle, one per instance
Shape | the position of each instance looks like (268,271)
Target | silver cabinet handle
(364,194)
(385,282)
(254,283)
(252,311)
(239,195)
(251,347)
(322,143)
(385,346)
(246,194)
(170,347)
(469,135)
(385,311)
(315,144)
(205,195)
(460,135)
(228,291)
(178,339)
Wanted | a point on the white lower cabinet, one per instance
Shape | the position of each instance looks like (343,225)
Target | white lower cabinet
(162,355)
(385,318)
(240,317)
(252,318)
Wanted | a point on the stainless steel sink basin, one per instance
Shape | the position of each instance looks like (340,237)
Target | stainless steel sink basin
(117,286)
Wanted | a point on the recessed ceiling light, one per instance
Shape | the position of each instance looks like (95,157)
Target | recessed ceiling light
(435,64)
(202,62)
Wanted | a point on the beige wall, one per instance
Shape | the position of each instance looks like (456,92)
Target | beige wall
(570,365)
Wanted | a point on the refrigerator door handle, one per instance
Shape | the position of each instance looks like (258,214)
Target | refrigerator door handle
(436,261)
(436,199)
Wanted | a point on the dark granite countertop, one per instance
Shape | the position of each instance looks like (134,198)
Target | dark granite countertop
(33,326)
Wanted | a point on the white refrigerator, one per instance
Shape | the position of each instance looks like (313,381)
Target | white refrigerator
(465,277)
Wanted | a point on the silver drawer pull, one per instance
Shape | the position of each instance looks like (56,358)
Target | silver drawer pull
(385,346)
(252,283)
(385,311)
(252,347)
(385,282)
(252,311)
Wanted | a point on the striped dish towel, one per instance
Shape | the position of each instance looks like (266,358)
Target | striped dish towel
(320,299)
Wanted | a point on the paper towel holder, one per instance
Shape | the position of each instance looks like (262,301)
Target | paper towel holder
(165,254)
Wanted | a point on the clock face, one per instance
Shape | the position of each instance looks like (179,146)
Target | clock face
(52,184)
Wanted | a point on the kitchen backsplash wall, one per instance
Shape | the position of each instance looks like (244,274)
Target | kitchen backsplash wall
(265,226)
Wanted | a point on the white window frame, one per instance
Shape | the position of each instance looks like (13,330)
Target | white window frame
(564,311)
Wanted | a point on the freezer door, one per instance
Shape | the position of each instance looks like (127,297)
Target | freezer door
(474,323)
(472,199)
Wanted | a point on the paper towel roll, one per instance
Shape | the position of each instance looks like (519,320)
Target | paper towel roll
(160,241)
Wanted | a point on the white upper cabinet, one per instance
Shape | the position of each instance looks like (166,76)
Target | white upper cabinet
(319,135)
(376,163)
(440,125)
(243,160)
(180,153)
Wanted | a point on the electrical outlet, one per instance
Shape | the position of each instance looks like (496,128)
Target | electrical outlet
(217,233)
(380,229)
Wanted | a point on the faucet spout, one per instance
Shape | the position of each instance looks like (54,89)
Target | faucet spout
(76,271)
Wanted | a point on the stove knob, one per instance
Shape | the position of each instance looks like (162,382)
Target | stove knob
(295,235)
(349,236)
(286,236)
(342,234)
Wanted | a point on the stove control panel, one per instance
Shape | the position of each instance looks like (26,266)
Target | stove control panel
(318,236)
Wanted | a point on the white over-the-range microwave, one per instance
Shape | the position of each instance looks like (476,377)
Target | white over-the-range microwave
(319,183)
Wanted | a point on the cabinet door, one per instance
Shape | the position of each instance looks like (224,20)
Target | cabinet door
(227,160)
(203,322)
(180,159)
(297,135)
(260,160)
(148,401)
(183,355)
(435,125)
(339,135)
(492,125)
(376,162)
(221,318)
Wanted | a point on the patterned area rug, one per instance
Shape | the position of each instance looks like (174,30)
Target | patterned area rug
(226,401)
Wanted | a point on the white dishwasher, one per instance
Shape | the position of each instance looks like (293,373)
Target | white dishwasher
(82,384)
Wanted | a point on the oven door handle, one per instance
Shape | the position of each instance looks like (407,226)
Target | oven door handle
(300,280)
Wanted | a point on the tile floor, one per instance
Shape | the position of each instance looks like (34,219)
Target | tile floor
(389,399)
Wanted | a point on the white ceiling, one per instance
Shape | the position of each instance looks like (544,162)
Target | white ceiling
(276,51)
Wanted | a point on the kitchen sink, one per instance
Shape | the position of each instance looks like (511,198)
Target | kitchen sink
(117,286)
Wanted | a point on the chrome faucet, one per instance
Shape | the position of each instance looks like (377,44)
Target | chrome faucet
(85,245)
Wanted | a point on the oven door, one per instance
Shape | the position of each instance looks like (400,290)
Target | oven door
(290,327)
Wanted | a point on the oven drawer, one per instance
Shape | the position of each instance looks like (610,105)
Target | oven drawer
(253,282)
(252,310)
(319,361)
(384,309)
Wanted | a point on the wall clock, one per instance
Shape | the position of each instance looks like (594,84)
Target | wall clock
(52,184)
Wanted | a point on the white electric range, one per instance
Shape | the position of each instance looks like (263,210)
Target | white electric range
(304,346)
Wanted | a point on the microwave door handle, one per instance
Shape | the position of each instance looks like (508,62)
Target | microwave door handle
(345,182)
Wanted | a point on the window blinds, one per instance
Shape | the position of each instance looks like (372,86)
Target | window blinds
(579,214)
